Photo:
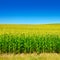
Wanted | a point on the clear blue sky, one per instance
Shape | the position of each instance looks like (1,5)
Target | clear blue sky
(29,11)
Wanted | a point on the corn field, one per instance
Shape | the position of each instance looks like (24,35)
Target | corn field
(21,43)
(29,38)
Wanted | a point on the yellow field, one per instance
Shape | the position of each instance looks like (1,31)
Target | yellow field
(26,28)
(43,56)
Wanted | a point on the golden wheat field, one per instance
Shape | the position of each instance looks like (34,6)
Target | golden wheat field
(30,29)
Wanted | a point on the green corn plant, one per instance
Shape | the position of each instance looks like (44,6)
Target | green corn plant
(22,43)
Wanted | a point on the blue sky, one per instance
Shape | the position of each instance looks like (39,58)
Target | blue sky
(29,11)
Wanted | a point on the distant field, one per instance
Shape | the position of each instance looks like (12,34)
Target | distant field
(26,28)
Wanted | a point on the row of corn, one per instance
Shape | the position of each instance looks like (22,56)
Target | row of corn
(21,43)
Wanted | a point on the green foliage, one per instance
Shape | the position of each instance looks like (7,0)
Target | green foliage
(21,43)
